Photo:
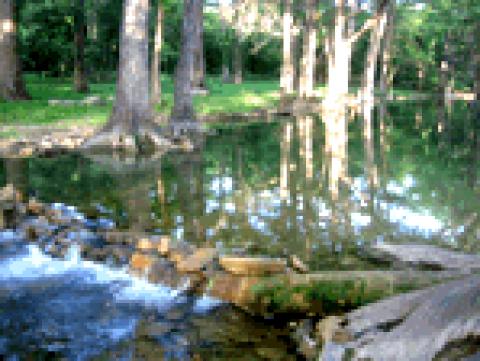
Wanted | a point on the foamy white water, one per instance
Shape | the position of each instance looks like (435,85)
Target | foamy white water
(126,287)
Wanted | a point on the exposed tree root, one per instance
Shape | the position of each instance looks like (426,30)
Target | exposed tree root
(146,139)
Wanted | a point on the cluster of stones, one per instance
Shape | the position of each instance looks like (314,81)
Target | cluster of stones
(263,286)
(38,141)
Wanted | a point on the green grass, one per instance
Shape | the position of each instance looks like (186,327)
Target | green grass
(223,98)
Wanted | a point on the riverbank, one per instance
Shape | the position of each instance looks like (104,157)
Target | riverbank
(321,306)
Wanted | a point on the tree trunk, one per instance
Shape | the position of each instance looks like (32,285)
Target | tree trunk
(307,65)
(11,82)
(339,65)
(80,76)
(376,36)
(132,106)
(237,60)
(199,56)
(226,41)
(386,73)
(286,80)
(183,111)
(131,125)
(156,61)
(477,62)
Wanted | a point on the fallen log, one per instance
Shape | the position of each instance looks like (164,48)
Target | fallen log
(318,293)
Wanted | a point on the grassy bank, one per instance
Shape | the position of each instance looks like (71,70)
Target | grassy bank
(223,98)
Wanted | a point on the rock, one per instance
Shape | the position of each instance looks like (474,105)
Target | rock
(125,238)
(164,245)
(233,289)
(93,100)
(26,152)
(426,255)
(328,329)
(8,195)
(142,262)
(298,265)
(416,326)
(197,261)
(306,345)
(253,266)
(146,244)
(34,207)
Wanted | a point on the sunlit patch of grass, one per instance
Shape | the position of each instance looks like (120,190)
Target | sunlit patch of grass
(222,98)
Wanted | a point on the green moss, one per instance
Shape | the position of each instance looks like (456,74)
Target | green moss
(323,297)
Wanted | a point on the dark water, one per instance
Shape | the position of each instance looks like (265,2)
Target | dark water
(267,188)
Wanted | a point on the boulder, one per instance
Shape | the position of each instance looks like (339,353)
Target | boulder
(198,260)
(416,326)
(253,266)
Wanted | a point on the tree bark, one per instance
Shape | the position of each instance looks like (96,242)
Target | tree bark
(386,73)
(131,125)
(226,40)
(376,36)
(199,57)
(132,106)
(80,76)
(156,61)
(307,65)
(237,60)
(477,62)
(339,65)
(286,80)
(11,82)
(183,111)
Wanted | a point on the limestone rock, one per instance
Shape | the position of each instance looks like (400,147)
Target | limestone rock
(253,266)
(198,260)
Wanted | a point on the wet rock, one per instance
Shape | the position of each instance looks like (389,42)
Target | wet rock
(306,343)
(253,266)
(37,228)
(123,238)
(34,207)
(142,262)
(198,260)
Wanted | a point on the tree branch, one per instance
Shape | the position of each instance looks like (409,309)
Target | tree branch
(369,24)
